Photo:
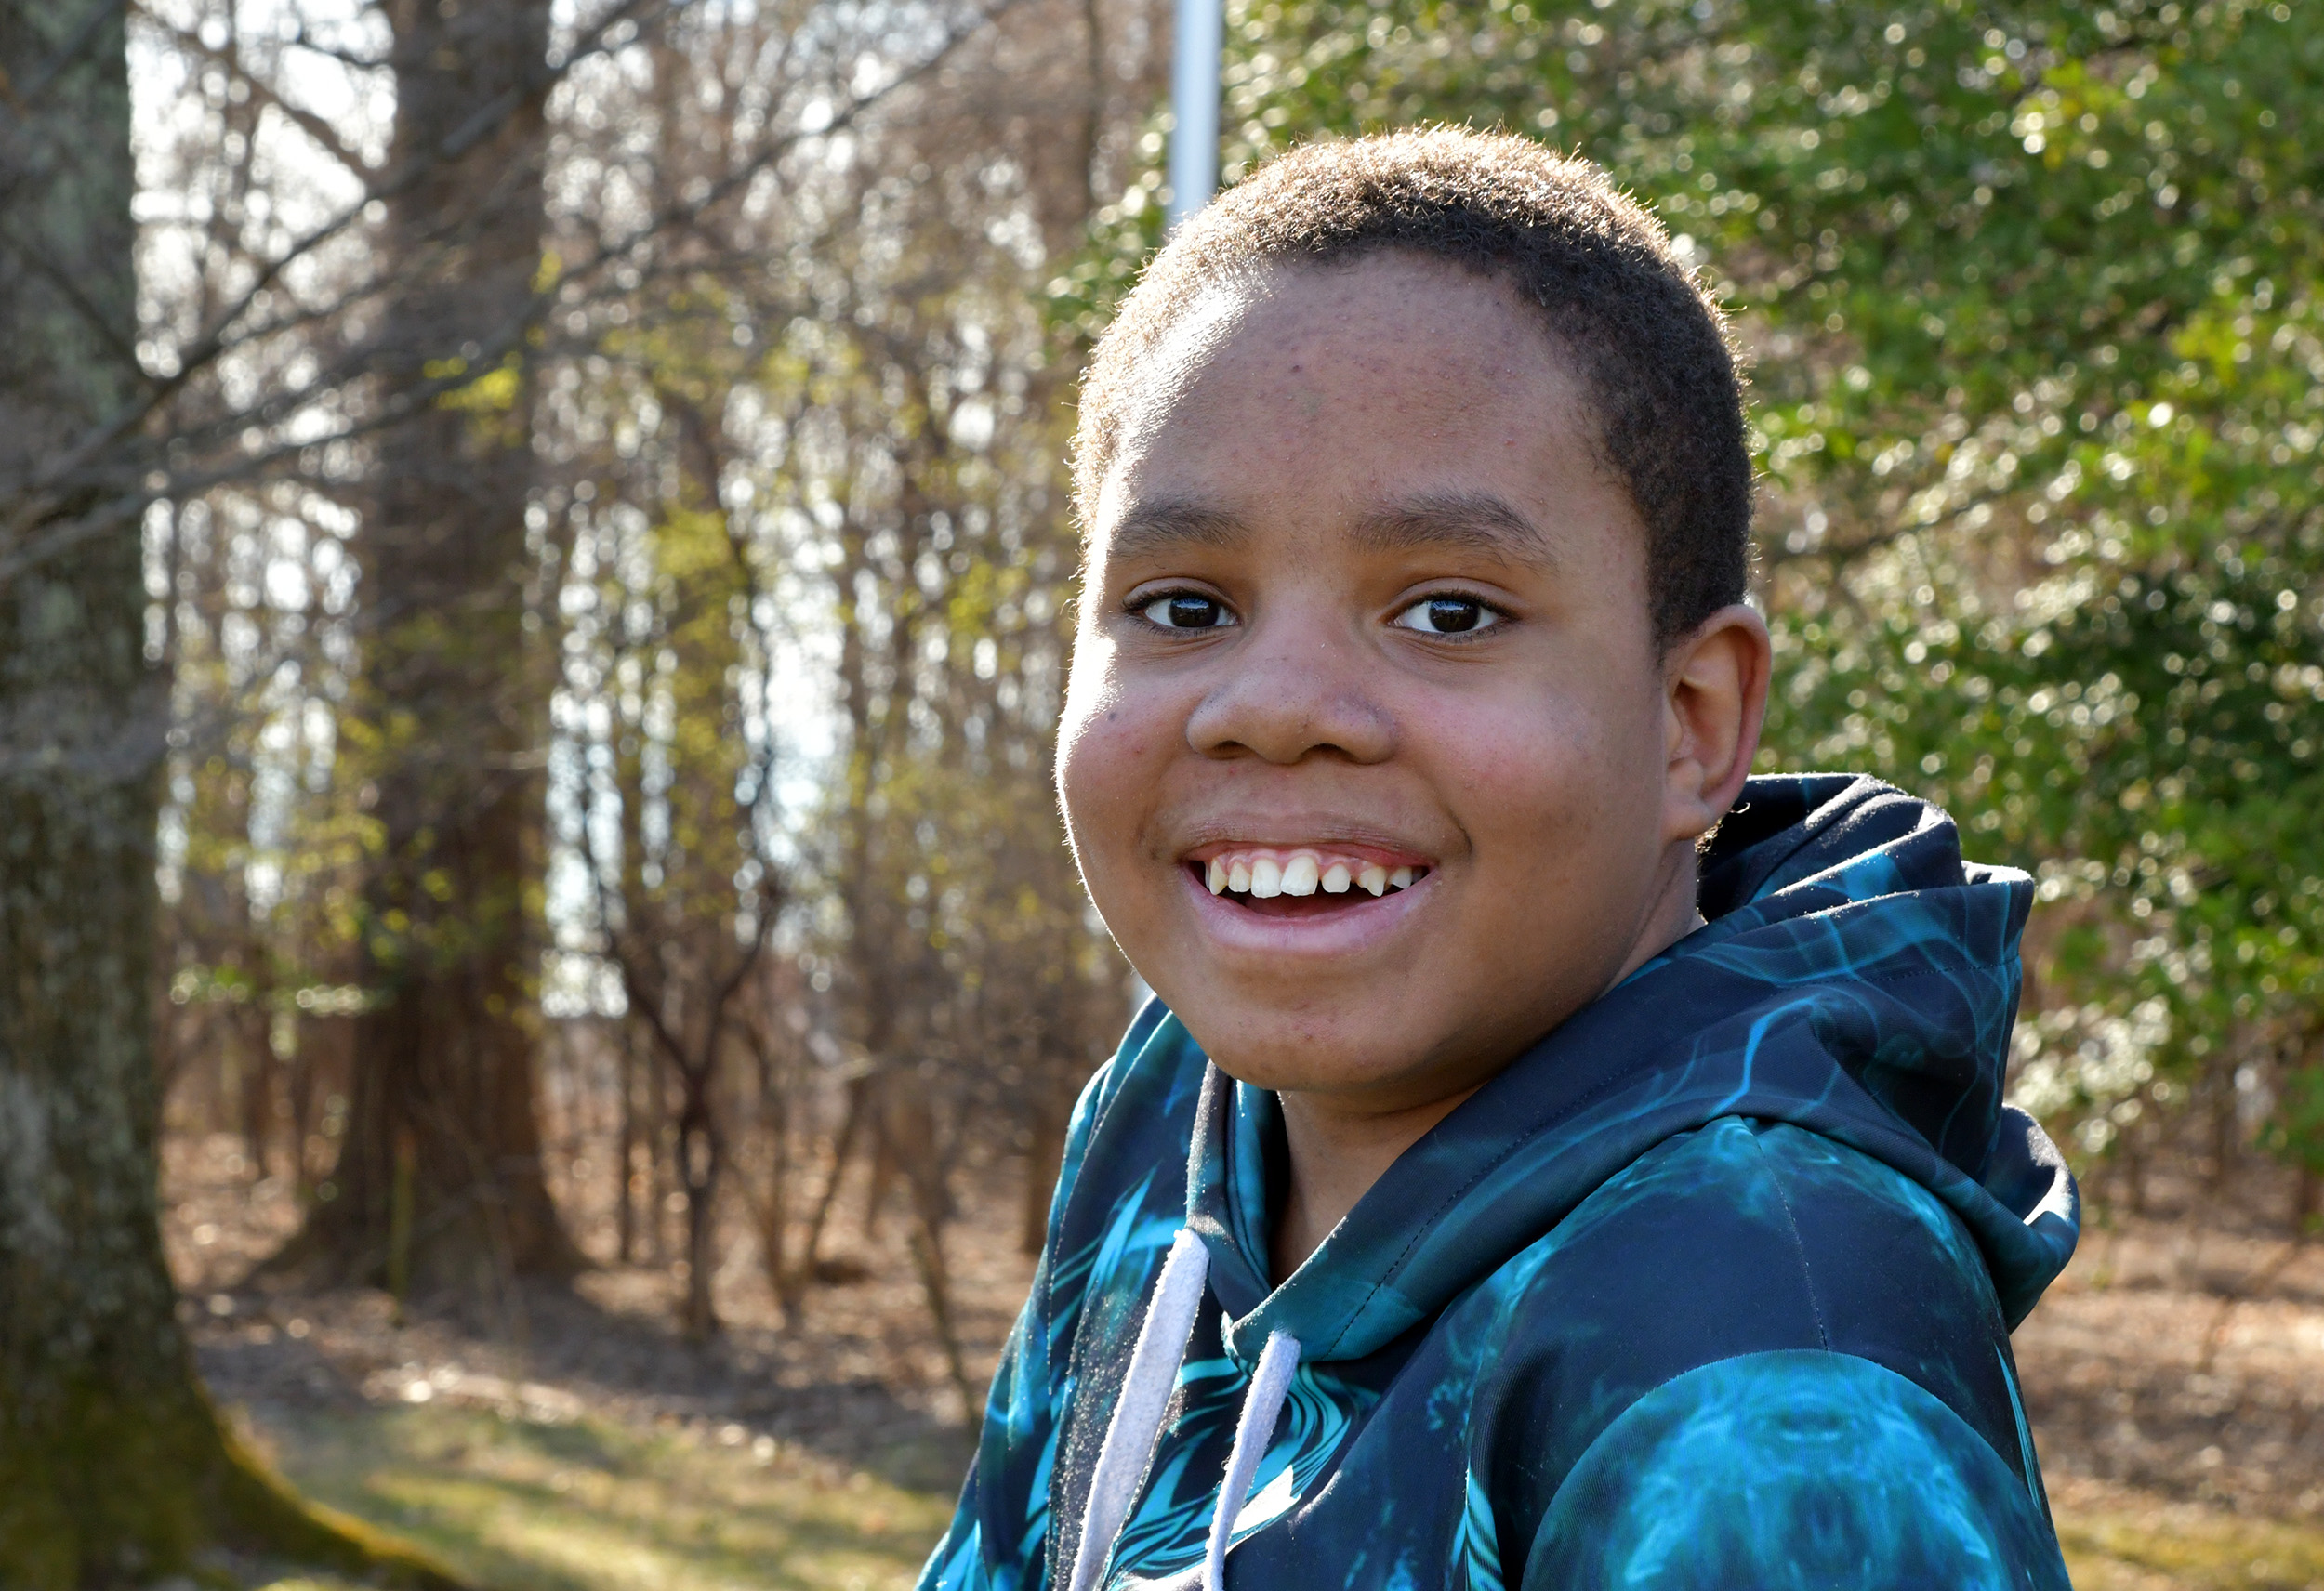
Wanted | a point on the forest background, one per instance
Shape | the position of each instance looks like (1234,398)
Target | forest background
(536,567)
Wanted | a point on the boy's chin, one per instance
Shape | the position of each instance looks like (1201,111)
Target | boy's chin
(1349,1063)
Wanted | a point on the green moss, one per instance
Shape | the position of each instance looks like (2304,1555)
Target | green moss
(37,1548)
(128,1489)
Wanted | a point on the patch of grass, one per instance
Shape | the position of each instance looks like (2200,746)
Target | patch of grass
(596,1506)
(2120,1540)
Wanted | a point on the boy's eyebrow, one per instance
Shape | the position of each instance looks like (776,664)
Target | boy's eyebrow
(1160,527)
(1469,522)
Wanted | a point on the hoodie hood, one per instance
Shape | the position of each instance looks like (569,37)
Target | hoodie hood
(1854,978)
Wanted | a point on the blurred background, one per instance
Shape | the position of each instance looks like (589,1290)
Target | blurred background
(594,565)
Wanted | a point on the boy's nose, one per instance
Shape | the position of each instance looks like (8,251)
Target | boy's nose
(1289,695)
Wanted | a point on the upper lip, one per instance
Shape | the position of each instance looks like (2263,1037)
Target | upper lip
(1370,850)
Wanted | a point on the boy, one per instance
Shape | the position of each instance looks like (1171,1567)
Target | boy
(1566,1201)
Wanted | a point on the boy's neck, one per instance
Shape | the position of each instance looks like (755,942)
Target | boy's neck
(1336,1154)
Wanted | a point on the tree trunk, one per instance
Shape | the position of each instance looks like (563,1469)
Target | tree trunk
(699,1164)
(451,710)
(114,1467)
(859,1097)
(659,1182)
(770,1211)
(255,1069)
(626,1174)
(2130,1154)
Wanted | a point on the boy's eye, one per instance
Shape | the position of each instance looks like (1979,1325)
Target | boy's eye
(1186,610)
(1447,616)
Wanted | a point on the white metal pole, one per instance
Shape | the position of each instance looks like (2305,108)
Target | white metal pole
(1194,102)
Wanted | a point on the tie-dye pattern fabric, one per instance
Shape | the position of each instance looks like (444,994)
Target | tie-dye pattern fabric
(1713,1287)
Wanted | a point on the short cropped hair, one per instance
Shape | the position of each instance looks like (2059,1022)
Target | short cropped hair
(1651,346)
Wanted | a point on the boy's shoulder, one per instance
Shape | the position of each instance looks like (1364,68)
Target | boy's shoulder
(1771,1227)
(1744,1238)
(1770,1339)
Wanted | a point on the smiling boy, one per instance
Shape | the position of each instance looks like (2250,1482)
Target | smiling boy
(1550,1160)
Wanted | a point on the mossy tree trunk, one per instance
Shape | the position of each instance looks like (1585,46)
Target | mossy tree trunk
(114,1468)
(439,1191)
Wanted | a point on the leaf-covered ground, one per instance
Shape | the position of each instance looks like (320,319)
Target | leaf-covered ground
(573,1443)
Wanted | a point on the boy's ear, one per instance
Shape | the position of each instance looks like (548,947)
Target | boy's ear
(1714,689)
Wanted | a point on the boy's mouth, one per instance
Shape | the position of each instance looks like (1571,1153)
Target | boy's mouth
(1301,881)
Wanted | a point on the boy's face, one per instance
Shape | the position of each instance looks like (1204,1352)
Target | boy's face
(1363,607)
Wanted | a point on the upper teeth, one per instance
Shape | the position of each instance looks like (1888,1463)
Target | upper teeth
(1264,875)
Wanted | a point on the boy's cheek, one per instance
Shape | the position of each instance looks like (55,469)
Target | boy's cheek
(1108,756)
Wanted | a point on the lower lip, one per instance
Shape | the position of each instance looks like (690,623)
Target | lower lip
(1352,927)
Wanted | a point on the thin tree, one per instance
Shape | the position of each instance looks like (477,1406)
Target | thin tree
(687,914)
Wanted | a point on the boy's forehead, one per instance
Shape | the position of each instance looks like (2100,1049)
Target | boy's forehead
(1190,343)
(1425,398)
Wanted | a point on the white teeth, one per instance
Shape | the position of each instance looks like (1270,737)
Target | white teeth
(1264,877)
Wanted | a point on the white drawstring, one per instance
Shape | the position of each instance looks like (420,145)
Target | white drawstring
(1270,1383)
(1145,1402)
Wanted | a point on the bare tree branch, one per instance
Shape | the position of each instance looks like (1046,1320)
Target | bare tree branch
(55,482)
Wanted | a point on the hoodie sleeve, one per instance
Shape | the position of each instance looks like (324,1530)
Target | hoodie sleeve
(1793,1468)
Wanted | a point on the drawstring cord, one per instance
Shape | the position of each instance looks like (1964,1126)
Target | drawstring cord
(1270,1383)
(1145,1402)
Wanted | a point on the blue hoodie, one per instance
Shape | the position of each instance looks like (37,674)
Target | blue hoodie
(1711,1288)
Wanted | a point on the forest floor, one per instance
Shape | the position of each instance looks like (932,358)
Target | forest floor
(573,1443)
